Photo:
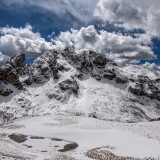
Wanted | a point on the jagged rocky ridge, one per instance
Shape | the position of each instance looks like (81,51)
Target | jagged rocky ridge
(80,82)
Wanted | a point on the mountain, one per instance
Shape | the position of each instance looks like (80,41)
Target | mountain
(79,82)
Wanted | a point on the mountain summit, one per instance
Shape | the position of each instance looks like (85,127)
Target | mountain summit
(79,82)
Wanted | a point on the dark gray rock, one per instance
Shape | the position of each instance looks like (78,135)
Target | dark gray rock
(5,117)
(100,61)
(109,74)
(155,119)
(121,79)
(4,89)
(137,89)
(17,61)
(9,73)
(70,85)
(28,81)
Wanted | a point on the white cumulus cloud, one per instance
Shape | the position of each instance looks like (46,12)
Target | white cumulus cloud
(14,40)
(117,46)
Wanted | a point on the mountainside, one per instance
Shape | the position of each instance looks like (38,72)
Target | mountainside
(79,82)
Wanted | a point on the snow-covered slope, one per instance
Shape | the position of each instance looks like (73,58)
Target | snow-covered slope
(80,82)
(46,136)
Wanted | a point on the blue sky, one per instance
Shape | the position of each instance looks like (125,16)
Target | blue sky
(42,20)
(125,30)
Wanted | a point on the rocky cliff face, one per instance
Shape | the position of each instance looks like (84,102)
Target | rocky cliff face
(79,82)
(9,74)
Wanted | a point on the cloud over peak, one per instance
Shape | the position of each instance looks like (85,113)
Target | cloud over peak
(117,46)
(14,40)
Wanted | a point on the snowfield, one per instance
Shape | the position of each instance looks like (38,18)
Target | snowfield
(138,140)
(78,105)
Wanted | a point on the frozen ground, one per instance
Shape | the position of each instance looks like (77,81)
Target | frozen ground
(47,138)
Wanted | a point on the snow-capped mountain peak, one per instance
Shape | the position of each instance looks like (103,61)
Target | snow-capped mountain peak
(79,82)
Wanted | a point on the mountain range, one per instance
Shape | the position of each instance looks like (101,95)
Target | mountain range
(81,83)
